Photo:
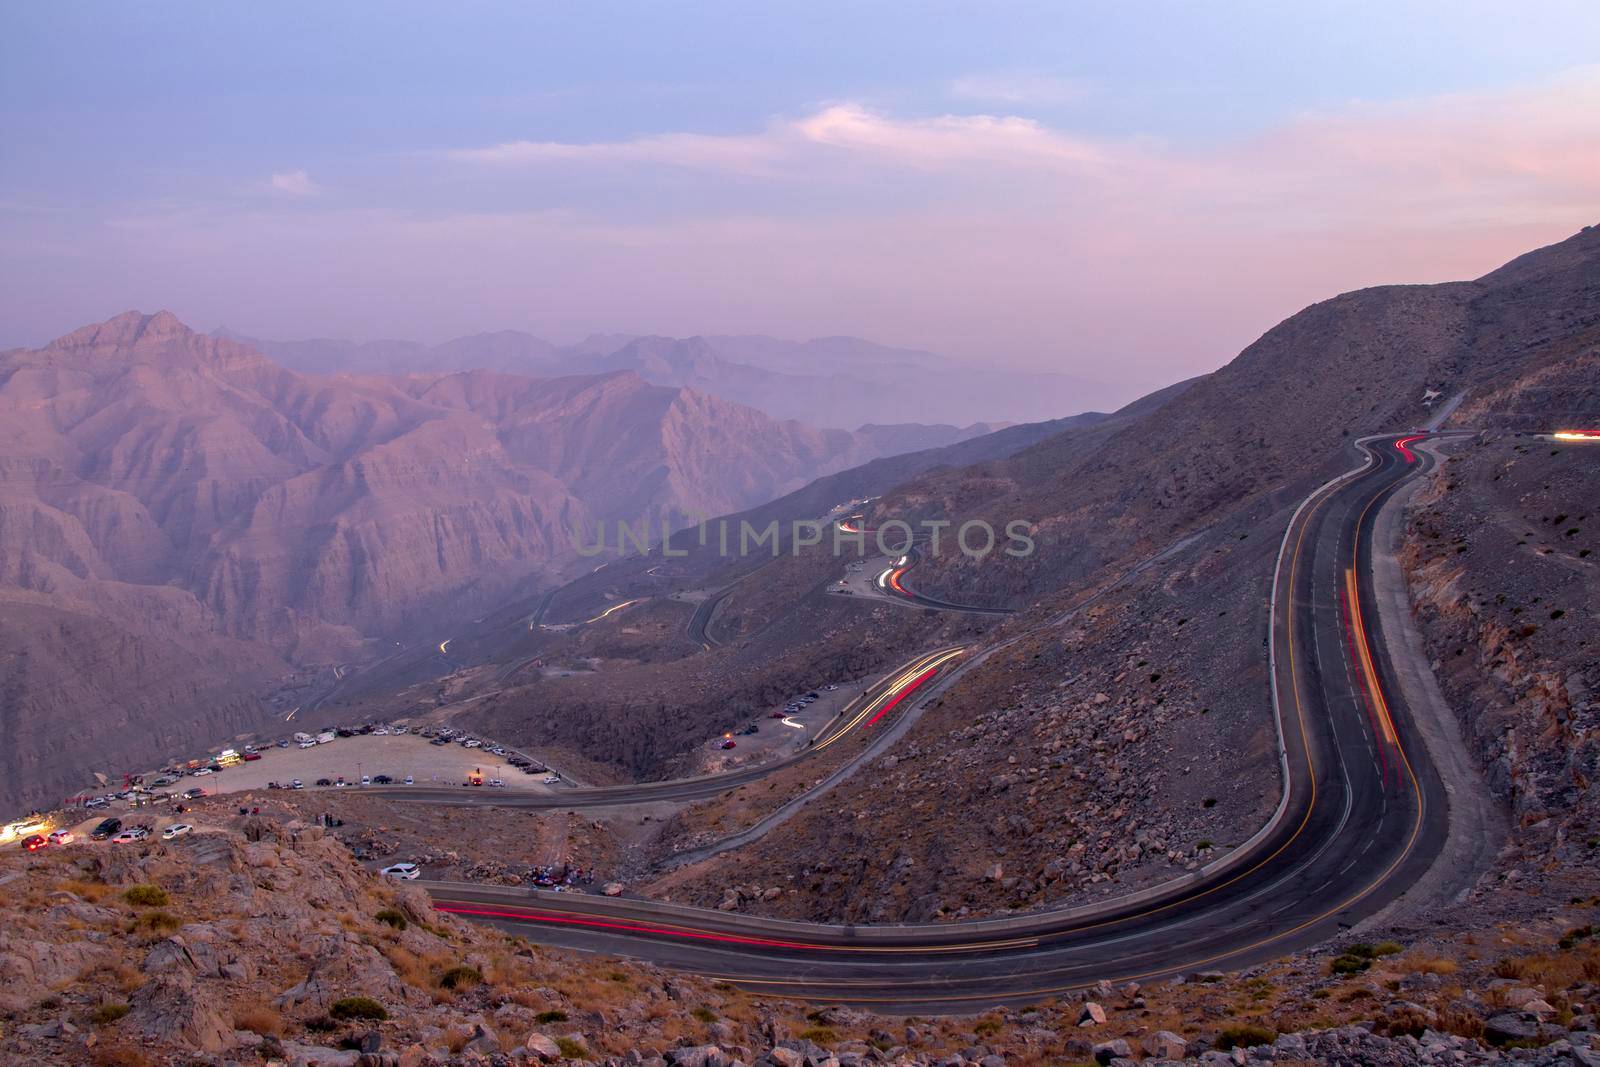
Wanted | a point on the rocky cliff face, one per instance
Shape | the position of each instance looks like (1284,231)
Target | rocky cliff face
(206,514)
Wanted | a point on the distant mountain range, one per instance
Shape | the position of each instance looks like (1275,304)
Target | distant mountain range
(828,381)
(183,520)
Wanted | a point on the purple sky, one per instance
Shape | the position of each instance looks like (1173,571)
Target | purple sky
(1128,192)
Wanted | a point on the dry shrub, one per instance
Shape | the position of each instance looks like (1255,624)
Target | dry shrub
(119,975)
(1510,967)
(116,1054)
(260,1019)
(414,970)
(1427,965)
(91,891)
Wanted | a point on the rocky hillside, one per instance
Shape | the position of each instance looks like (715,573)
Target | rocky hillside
(1503,555)
(176,503)
(1081,762)
(258,940)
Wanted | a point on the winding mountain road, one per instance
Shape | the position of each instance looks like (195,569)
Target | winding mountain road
(1362,816)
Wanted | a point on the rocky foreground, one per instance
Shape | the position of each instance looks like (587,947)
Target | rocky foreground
(260,941)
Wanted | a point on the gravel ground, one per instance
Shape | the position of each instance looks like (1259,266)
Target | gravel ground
(396,756)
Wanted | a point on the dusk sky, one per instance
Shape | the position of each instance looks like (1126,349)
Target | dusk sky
(1126,191)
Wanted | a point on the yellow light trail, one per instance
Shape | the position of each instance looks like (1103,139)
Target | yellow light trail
(612,608)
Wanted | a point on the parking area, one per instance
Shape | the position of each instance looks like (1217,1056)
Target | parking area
(348,759)
(779,732)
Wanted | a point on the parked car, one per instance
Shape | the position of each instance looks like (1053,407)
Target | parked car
(410,780)
(324,781)
(552,778)
(131,834)
(193,794)
(35,843)
(440,741)
(61,837)
(297,784)
(95,802)
(381,779)
(105,829)
(409,871)
(751,729)
(201,772)
(282,742)
(366,779)
(251,757)
(728,742)
(496,783)
(177,829)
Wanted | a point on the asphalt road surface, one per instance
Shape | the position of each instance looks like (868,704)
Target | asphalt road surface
(1362,818)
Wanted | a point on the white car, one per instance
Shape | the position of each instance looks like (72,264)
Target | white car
(201,772)
(366,779)
(308,744)
(552,778)
(132,833)
(496,783)
(60,837)
(297,784)
(409,871)
(410,780)
(177,829)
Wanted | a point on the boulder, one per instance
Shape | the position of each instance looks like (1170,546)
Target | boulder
(1092,1014)
(173,1008)
(698,1056)
(1165,1045)
(1510,1026)
(1106,1051)
(544,1048)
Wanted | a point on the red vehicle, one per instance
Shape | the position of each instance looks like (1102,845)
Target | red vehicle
(251,757)
(730,743)
(34,843)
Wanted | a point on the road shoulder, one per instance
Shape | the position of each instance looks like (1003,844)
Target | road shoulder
(1478,826)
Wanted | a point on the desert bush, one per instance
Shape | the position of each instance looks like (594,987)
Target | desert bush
(259,1019)
(157,922)
(822,1035)
(1349,964)
(108,1012)
(1510,967)
(1245,1035)
(571,1049)
(145,896)
(555,1015)
(358,1008)
(392,917)
(460,977)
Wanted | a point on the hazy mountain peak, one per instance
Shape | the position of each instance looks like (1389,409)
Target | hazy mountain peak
(130,328)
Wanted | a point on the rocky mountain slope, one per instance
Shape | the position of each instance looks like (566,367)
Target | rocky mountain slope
(1081,763)
(170,498)
(258,940)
